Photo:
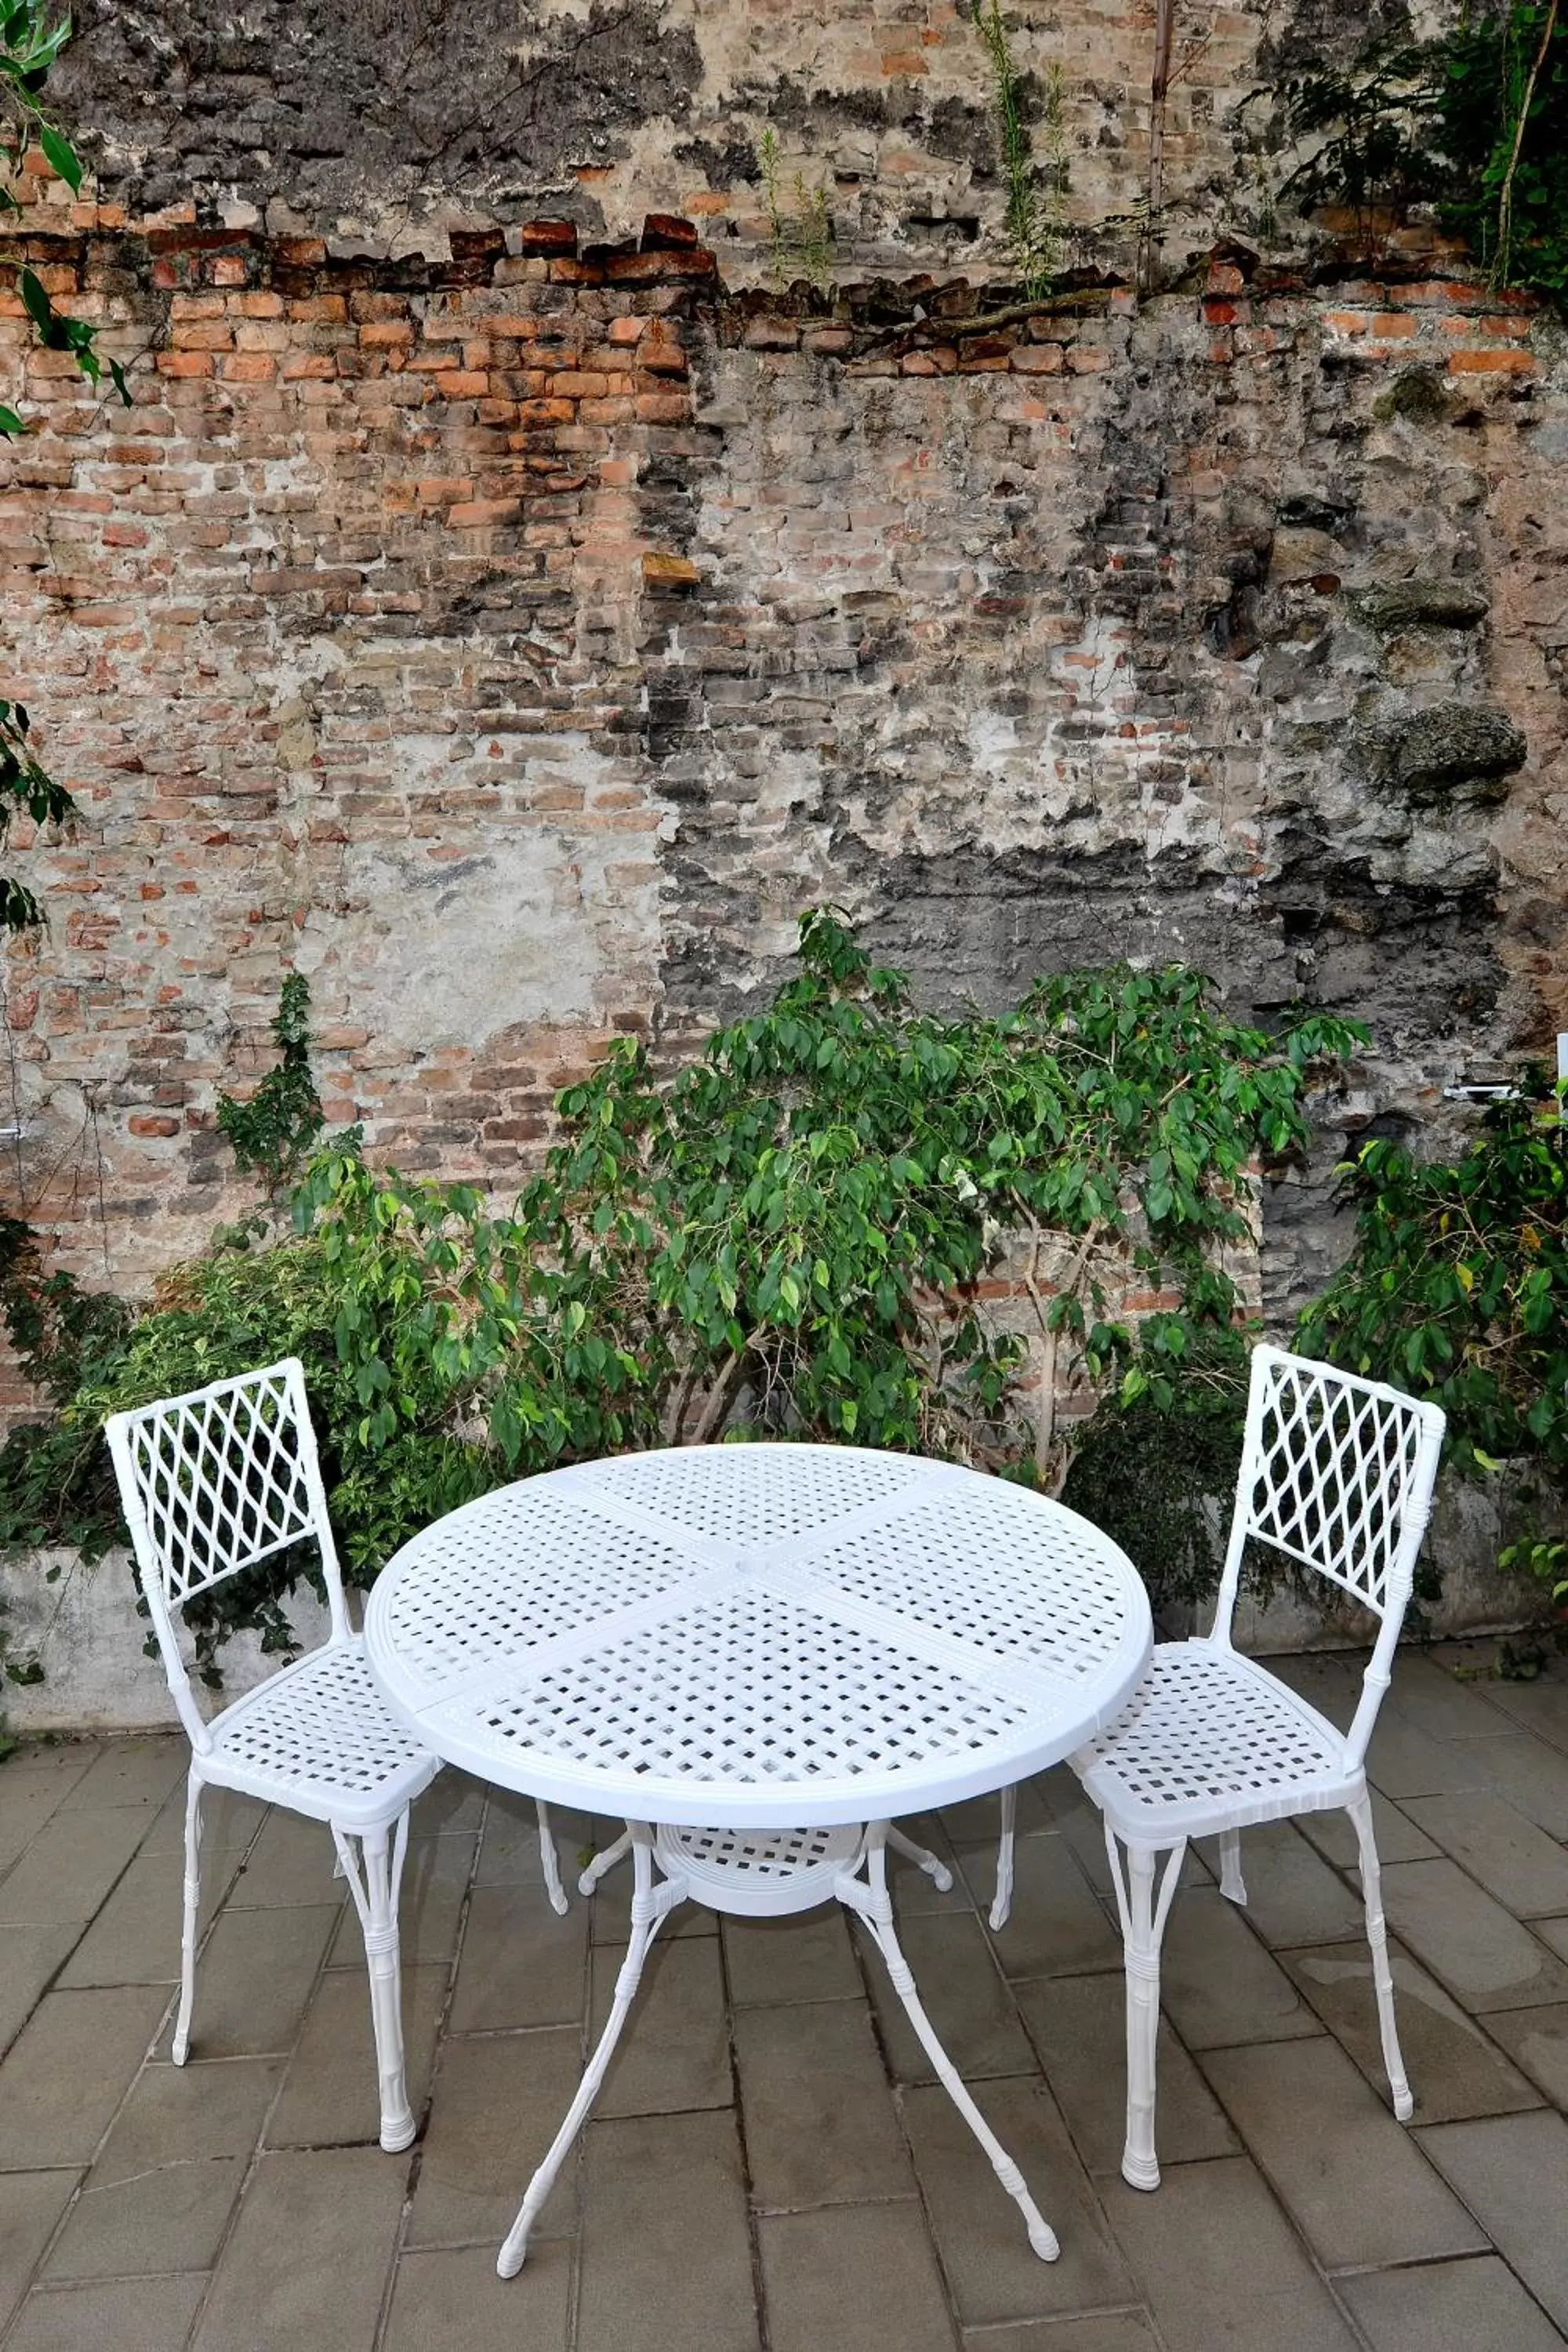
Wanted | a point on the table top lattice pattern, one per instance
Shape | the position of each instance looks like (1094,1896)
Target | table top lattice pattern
(766,1635)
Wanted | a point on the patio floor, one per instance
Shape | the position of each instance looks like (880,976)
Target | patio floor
(770,2166)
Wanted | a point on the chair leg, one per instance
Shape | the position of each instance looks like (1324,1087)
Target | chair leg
(376,1899)
(937,1872)
(874,1904)
(182,2041)
(547,1856)
(1002,1902)
(1382,1975)
(603,1864)
(1232,1885)
(1143,1915)
(651,1906)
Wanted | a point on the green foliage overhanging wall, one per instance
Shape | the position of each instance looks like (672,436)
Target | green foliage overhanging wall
(1475,124)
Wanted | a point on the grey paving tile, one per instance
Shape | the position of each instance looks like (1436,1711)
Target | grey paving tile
(1530,1774)
(30,2205)
(1219,2264)
(139,1771)
(70,1865)
(974,1826)
(521,1964)
(1329,1680)
(429,1912)
(509,1849)
(148,2315)
(62,1753)
(1219,1983)
(993,2272)
(228,1820)
(1355,2181)
(819,2119)
(1292,1895)
(1513,1859)
(31,1954)
(449,2299)
(293,1862)
(1440,1702)
(1469,2306)
(1078,2025)
(1081,1826)
(655,2188)
(495,2105)
(308,2255)
(453,1804)
(27,1800)
(1512,2173)
(674,2052)
(808,1958)
(1538,2039)
(1477,1948)
(1403,1761)
(330,2092)
(859,2278)
(68,2068)
(1110,2331)
(254,1978)
(1398,1839)
(1540,1707)
(135,1936)
(1057,1926)
(1453,2068)
(962,1994)
(194,2111)
(173,2222)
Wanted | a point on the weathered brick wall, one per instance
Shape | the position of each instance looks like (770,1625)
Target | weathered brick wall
(515,642)
(385,124)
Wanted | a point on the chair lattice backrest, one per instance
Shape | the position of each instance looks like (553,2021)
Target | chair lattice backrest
(211,1484)
(1337,1474)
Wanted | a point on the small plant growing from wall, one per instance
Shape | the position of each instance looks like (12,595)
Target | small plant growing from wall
(800,222)
(1036,199)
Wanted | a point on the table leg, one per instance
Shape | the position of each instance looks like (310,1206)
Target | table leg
(603,1864)
(937,1872)
(651,1906)
(873,1904)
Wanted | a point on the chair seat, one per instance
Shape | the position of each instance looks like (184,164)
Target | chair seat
(1209,1742)
(318,1737)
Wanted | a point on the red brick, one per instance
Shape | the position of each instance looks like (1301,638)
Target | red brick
(479,513)
(1495,362)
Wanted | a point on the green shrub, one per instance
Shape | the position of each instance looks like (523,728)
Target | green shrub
(1456,1288)
(785,1235)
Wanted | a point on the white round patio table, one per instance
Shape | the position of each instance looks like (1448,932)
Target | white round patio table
(758,1656)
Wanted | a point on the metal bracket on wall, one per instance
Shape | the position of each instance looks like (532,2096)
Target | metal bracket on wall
(1466,1092)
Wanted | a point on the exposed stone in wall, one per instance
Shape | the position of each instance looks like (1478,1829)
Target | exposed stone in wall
(517,643)
(385,124)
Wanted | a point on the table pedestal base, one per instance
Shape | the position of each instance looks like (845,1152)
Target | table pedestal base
(760,1874)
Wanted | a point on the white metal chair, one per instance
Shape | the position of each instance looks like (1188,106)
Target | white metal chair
(1337,1474)
(210,1484)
